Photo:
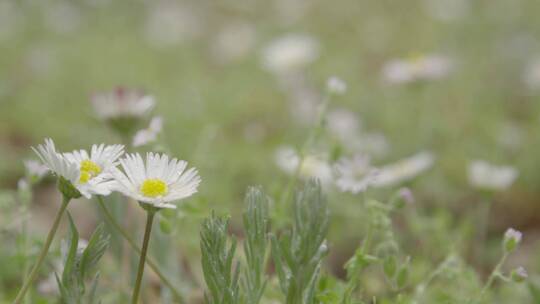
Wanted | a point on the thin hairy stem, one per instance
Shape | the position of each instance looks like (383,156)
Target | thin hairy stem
(310,140)
(149,220)
(149,260)
(31,277)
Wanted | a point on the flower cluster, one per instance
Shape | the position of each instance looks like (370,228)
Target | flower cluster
(158,182)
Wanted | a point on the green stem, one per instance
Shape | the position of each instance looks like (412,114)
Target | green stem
(44,251)
(496,272)
(311,139)
(149,220)
(149,260)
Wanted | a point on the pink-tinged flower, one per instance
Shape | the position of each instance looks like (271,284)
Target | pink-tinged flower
(122,103)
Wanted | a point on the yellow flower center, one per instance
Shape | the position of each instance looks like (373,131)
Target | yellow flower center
(89,170)
(154,187)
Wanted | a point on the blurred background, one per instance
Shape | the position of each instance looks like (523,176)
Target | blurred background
(237,83)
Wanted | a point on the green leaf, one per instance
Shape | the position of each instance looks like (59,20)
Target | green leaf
(70,261)
(97,245)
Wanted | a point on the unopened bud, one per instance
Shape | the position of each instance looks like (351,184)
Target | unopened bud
(512,238)
(519,274)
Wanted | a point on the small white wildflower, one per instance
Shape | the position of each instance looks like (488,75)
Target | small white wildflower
(289,53)
(354,174)
(404,169)
(157,182)
(371,143)
(313,166)
(23,185)
(233,42)
(531,76)
(148,135)
(170,23)
(425,68)
(484,175)
(122,103)
(336,86)
(343,124)
(35,170)
(95,168)
(511,240)
(447,10)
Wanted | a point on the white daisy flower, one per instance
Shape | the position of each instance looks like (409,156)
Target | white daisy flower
(313,165)
(157,182)
(148,135)
(95,168)
(404,169)
(35,169)
(122,103)
(484,175)
(289,53)
(424,68)
(57,163)
(354,174)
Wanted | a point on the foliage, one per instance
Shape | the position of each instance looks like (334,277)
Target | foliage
(79,263)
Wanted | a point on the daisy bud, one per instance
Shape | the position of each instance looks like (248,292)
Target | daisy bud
(336,86)
(67,189)
(519,275)
(402,198)
(511,240)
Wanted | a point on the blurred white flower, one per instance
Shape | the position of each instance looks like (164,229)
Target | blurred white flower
(158,182)
(371,143)
(313,166)
(62,17)
(35,169)
(424,68)
(484,175)
(404,170)
(23,185)
(122,102)
(290,53)
(354,174)
(148,135)
(447,10)
(343,124)
(336,86)
(233,42)
(10,20)
(95,168)
(170,23)
(531,76)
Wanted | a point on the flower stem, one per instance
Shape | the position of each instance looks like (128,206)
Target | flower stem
(494,274)
(149,260)
(149,220)
(314,134)
(44,251)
